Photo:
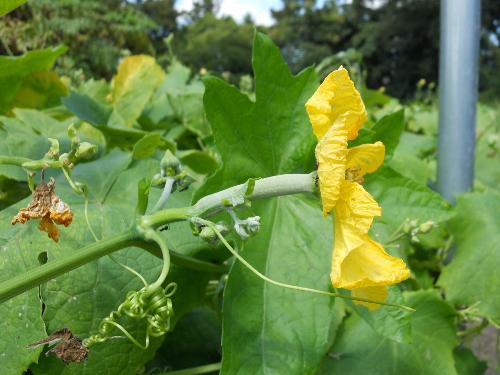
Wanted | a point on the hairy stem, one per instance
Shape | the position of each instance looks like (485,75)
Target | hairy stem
(268,187)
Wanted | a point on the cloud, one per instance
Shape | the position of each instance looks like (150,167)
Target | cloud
(260,10)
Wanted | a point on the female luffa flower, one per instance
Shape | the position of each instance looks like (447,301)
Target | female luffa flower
(359,264)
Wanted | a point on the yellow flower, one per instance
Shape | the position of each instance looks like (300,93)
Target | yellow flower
(337,112)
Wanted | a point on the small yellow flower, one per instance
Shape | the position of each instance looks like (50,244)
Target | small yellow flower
(337,112)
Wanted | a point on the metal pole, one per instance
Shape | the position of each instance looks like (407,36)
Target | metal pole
(458,76)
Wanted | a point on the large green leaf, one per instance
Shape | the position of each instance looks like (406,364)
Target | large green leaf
(21,322)
(472,276)
(467,363)
(487,161)
(387,130)
(402,198)
(8,5)
(267,329)
(80,299)
(360,350)
(14,71)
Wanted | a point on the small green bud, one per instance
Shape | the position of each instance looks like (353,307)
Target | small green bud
(85,150)
(170,164)
(426,227)
(208,233)
(409,225)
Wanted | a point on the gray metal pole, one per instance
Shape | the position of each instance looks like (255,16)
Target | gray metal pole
(458,76)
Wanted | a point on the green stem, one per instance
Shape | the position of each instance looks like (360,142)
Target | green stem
(13,160)
(21,283)
(152,235)
(268,187)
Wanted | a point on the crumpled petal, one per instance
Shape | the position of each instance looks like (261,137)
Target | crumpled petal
(46,225)
(375,293)
(356,206)
(359,262)
(334,98)
(365,158)
(331,155)
(48,207)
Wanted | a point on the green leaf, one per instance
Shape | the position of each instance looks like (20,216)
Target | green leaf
(81,299)
(135,83)
(21,322)
(390,322)
(260,138)
(387,130)
(199,161)
(486,168)
(146,146)
(269,329)
(9,5)
(472,276)
(402,198)
(360,350)
(269,136)
(87,109)
(40,90)
(467,363)
(14,71)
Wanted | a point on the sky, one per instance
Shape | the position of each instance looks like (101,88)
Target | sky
(259,9)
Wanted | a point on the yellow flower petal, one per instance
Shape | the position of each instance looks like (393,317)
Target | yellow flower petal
(356,206)
(334,98)
(375,293)
(359,262)
(331,155)
(365,158)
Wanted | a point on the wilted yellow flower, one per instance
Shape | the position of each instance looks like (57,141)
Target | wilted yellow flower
(48,207)
(337,112)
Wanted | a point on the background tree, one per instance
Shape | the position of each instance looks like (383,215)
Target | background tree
(97,32)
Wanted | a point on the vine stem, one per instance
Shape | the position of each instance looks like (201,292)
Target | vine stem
(19,284)
(288,286)
(152,235)
(209,205)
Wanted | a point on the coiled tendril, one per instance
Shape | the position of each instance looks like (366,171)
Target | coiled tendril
(151,303)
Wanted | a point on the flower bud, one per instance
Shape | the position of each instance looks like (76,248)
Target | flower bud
(85,150)
(426,227)
(170,164)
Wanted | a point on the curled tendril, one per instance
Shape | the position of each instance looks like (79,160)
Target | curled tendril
(152,305)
